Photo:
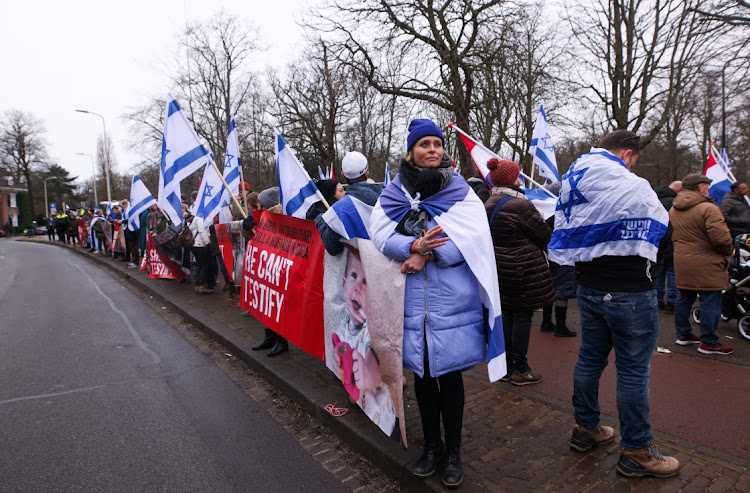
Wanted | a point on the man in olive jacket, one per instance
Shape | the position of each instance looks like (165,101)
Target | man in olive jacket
(702,246)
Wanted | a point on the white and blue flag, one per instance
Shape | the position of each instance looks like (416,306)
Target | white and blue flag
(140,200)
(718,171)
(387,178)
(321,175)
(542,200)
(232,164)
(181,155)
(298,191)
(212,196)
(349,218)
(456,210)
(542,149)
(604,209)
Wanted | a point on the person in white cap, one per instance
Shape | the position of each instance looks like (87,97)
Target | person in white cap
(356,172)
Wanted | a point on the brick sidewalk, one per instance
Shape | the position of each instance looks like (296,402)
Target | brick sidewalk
(514,439)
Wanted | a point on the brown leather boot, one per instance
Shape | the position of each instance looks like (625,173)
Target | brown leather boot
(646,461)
(584,439)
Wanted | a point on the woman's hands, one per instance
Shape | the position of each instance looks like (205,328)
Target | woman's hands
(422,249)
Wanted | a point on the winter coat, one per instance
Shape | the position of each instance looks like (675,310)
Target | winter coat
(199,233)
(442,307)
(736,213)
(520,237)
(666,248)
(702,244)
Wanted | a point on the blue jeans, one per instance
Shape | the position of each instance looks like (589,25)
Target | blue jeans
(710,312)
(667,275)
(629,323)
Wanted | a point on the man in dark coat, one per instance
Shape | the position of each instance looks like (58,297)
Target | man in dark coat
(735,209)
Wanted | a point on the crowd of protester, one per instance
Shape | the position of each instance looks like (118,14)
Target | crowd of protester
(691,261)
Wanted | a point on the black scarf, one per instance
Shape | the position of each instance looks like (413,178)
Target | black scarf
(426,181)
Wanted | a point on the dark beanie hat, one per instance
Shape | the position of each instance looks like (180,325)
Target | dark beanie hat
(419,128)
(503,172)
(328,189)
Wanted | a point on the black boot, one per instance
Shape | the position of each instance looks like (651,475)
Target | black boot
(453,474)
(427,464)
(267,341)
(561,330)
(280,347)
(547,325)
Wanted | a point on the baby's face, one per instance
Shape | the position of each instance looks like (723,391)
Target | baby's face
(355,290)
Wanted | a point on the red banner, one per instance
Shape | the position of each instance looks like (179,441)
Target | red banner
(83,231)
(282,281)
(160,265)
(226,248)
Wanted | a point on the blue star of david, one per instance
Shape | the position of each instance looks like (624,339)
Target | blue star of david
(229,160)
(575,197)
(207,191)
(547,139)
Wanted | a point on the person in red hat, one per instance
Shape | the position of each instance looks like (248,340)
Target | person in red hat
(520,236)
(241,198)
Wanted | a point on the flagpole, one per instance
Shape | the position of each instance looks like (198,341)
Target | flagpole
(242,180)
(226,186)
(454,126)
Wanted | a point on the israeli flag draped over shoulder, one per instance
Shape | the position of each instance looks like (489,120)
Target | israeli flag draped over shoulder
(604,209)
(298,191)
(456,208)
(181,155)
(349,218)
(140,200)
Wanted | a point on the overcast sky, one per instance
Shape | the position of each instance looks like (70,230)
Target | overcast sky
(107,57)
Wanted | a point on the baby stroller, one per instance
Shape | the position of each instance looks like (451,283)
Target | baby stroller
(734,302)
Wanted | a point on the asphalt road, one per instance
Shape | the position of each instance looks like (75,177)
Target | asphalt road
(99,393)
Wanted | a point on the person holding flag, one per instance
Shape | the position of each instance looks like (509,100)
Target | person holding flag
(608,223)
(735,209)
(140,201)
(298,191)
(427,219)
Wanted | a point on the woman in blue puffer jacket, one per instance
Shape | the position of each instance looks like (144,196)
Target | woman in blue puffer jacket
(443,320)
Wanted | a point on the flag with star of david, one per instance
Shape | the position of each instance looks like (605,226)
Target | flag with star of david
(542,149)
(604,209)
(232,164)
(182,153)
(211,197)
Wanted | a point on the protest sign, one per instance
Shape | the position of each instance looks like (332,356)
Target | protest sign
(364,320)
(160,265)
(282,279)
(226,247)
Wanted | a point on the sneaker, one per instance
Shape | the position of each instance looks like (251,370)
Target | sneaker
(688,340)
(714,349)
(647,461)
(584,439)
(131,265)
(507,377)
(526,378)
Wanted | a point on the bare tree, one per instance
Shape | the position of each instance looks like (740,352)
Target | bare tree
(732,12)
(640,57)
(422,49)
(22,147)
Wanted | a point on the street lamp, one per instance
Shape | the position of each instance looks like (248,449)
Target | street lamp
(106,167)
(46,202)
(93,169)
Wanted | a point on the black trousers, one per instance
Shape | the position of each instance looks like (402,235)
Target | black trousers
(444,396)
(517,331)
(203,274)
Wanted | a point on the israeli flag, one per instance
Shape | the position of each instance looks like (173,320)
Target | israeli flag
(181,155)
(320,173)
(542,148)
(387,178)
(604,209)
(211,197)
(542,201)
(140,200)
(349,218)
(298,191)
(232,164)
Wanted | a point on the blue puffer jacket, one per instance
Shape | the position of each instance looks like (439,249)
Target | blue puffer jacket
(441,306)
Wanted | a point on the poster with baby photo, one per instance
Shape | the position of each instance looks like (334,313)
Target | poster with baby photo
(364,320)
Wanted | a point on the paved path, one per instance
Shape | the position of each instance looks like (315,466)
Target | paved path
(516,439)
